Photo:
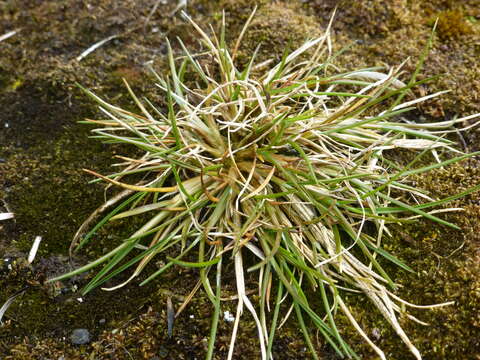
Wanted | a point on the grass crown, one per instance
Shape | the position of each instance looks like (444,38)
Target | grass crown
(282,164)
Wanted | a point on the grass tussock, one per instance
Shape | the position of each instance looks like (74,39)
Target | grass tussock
(282,163)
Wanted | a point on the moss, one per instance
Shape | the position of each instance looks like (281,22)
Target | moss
(370,19)
(135,327)
(275,27)
(446,269)
(386,34)
(46,187)
(452,25)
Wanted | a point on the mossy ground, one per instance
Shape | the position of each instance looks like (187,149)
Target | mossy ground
(43,151)
(386,33)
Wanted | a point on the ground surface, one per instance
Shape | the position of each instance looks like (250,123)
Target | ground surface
(43,150)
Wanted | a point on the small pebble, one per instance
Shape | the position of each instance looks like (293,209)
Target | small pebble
(80,337)
(228,316)
(6,264)
(102,321)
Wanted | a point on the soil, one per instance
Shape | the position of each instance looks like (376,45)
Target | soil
(44,149)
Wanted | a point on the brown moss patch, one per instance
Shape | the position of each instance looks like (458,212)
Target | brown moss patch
(387,33)
(276,27)
(452,25)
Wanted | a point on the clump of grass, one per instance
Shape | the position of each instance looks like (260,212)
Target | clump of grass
(283,164)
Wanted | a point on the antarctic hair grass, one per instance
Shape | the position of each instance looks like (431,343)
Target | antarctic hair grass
(285,165)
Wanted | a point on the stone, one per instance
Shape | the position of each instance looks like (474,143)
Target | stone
(80,337)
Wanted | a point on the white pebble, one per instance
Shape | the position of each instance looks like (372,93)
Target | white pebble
(228,316)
